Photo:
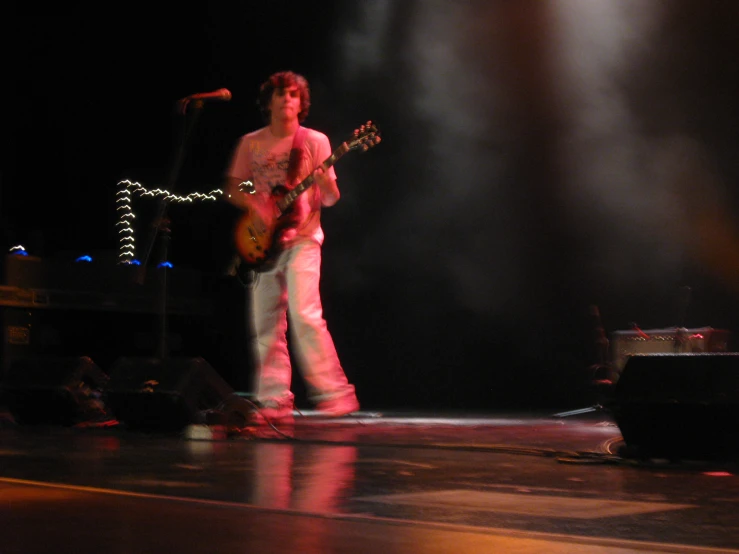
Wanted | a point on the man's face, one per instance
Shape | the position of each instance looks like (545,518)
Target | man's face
(285,103)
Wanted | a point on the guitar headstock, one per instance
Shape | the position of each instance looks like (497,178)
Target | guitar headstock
(364,137)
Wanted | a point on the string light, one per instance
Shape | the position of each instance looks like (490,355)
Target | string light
(19,250)
(127,190)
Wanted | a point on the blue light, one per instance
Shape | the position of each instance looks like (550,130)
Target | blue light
(84,258)
(166,264)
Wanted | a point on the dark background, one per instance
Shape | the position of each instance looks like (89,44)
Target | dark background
(538,158)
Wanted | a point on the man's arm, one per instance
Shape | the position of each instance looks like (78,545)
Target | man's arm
(325,180)
(329,188)
(234,191)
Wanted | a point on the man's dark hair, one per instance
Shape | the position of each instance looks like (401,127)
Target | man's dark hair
(283,79)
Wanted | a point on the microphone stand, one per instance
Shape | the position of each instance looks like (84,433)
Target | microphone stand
(161,227)
(602,374)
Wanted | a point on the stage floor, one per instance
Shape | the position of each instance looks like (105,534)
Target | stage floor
(371,482)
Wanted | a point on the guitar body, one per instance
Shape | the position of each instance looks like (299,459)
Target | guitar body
(256,236)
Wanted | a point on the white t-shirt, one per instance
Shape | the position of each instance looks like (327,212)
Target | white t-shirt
(263,159)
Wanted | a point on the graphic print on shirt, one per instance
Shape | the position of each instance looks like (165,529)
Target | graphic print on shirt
(270,171)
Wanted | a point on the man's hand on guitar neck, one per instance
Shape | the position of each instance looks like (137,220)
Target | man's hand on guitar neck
(329,189)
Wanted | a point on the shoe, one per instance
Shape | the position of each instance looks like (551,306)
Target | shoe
(269,415)
(201,432)
(337,407)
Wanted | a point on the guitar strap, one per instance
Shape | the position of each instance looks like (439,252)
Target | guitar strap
(296,155)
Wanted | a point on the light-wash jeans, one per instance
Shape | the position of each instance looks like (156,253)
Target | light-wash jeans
(291,286)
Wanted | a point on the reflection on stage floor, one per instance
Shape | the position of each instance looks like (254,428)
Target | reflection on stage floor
(370,482)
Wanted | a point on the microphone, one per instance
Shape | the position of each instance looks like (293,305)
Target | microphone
(220,95)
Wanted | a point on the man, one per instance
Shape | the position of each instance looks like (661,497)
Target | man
(289,286)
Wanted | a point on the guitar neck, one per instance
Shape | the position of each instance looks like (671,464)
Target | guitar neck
(284,203)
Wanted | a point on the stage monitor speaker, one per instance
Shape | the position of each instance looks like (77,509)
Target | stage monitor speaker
(54,390)
(679,406)
(154,394)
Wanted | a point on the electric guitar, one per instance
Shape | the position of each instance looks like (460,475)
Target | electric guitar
(257,232)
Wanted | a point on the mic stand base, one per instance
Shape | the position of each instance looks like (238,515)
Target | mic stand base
(604,379)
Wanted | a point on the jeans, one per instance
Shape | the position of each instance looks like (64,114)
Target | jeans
(291,286)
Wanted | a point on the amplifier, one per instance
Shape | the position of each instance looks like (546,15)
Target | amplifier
(99,276)
(665,341)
